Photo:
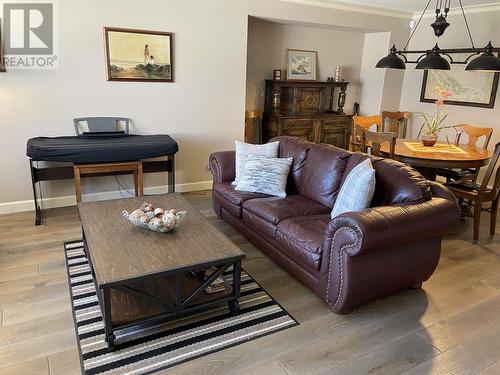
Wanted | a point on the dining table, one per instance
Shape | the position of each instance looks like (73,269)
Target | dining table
(442,155)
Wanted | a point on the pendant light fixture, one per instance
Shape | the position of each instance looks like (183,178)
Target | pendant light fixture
(486,62)
(433,60)
(440,59)
(392,60)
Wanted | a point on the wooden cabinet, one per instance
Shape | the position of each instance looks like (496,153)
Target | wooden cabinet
(318,129)
(304,110)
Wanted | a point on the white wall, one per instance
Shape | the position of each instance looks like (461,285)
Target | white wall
(267,44)
(484,27)
(203,110)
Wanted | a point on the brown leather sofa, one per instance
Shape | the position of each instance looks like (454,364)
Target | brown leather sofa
(357,256)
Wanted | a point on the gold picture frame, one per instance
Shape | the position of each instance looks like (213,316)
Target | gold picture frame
(139,55)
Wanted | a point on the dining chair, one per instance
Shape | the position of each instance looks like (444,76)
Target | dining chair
(363,122)
(398,122)
(371,142)
(473,134)
(481,193)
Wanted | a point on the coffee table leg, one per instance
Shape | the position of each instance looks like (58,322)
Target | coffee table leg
(106,311)
(234,305)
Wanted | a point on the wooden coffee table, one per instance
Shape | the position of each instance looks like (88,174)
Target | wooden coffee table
(146,277)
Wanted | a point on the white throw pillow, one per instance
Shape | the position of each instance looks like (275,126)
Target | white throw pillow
(265,175)
(357,190)
(269,150)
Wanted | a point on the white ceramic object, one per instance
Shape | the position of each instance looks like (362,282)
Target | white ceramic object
(157,220)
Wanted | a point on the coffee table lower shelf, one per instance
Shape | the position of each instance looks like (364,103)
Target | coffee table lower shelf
(158,298)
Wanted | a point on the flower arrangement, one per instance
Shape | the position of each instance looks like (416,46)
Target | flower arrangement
(432,126)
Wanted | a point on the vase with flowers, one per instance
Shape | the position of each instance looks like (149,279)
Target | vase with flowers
(433,125)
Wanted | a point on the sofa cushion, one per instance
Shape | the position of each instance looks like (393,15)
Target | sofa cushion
(227,190)
(265,175)
(323,173)
(231,199)
(396,182)
(276,209)
(258,225)
(296,148)
(303,238)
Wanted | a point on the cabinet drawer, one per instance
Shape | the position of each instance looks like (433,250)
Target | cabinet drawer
(301,128)
(339,121)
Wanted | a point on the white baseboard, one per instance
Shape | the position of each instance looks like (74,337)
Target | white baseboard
(70,200)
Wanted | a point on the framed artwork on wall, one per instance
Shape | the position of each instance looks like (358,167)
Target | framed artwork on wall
(139,55)
(472,89)
(301,65)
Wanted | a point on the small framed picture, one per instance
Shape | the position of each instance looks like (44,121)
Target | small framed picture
(277,75)
(139,55)
(301,65)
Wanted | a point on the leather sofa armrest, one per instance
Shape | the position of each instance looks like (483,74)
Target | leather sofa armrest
(222,165)
(387,226)
(376,252)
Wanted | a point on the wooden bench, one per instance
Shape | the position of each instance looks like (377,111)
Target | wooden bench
(98,169)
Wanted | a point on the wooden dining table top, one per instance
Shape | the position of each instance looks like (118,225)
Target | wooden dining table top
(433,157)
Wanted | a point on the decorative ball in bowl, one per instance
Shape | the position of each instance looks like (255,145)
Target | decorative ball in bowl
(155,219)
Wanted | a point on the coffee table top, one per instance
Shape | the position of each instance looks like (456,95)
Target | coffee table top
(120,251)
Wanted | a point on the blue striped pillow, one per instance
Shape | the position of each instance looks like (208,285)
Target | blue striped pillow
(357,190)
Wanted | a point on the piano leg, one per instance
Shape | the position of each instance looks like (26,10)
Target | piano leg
(171,174)
(34,180)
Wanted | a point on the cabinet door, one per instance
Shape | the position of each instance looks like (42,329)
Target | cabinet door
(310,99)
(335,132)
(301,128)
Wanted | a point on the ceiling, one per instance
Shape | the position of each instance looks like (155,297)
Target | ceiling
(410,6)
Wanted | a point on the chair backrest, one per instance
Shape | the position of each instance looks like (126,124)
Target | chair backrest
(101,124)
(371,142)
(489,172)
(398,122)
(366,122)
(473,134)
(363,122)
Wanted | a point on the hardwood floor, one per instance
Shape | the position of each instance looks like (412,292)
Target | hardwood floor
(452,326)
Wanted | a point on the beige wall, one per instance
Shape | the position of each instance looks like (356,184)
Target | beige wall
(203,110)
(267,44)
(485,27)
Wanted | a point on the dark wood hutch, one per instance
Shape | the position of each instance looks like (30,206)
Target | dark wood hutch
(305,109)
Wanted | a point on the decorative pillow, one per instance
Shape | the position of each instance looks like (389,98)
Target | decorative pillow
(357,190)
(265,175)
(269,150)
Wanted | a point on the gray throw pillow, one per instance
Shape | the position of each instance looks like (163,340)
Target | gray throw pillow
(265,175)
(357,190)
(269,150)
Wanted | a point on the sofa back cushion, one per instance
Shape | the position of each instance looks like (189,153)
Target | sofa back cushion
(296,148)
(396,182)
(323,171)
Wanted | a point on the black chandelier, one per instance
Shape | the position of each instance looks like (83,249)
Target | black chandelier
(435,58)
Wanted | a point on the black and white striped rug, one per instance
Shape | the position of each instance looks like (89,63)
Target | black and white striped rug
(148,349)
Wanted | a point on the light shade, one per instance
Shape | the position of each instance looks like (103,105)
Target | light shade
(391,61)
(487,62)
(434,61)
